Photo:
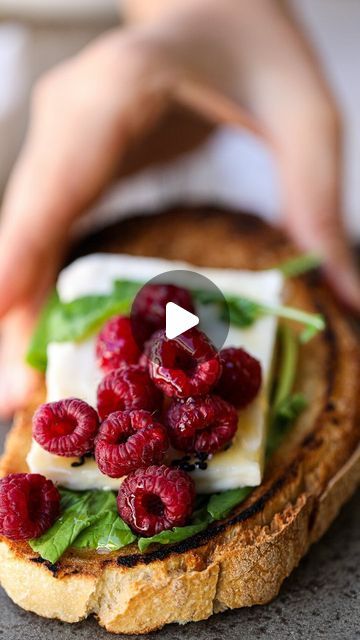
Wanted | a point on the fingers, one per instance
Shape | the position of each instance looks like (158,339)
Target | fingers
(85,115)
(32,242)
(310,171)
(17,381)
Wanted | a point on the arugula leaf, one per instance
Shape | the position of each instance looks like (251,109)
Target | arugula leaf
(288,361)
(80,318)
(69,497)
(107,531)
(52,544)
(300,265)
(243,312)
(127,288)
(220,504)
(89,519)
(177,534)
(287,412)
(290,408)
(286,405)
(76,320)
(36,355)
(200,520)
(314,322)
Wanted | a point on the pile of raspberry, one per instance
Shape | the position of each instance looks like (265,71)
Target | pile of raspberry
(156,395)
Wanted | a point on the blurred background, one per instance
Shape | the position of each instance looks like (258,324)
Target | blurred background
(231,167)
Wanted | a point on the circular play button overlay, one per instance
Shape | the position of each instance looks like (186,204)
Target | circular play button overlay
(176,301)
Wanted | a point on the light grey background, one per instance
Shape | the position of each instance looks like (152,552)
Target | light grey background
(321,599)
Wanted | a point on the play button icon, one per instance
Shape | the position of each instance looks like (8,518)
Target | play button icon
(178,320)
(175,301)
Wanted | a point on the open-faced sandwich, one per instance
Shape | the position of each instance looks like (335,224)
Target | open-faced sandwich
(156,479)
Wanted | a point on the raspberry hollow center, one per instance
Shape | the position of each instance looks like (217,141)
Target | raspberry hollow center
(62,427)
(185,362)
(153,504)
(34,504)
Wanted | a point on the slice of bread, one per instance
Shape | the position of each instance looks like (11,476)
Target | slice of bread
(242,560)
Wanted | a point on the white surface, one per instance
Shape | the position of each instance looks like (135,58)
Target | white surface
(14,85)
(72,369)
(95,274)
(65,10)
(178,320)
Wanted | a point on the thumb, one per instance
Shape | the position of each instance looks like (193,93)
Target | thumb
(17,381)
(310,171)
(32,245)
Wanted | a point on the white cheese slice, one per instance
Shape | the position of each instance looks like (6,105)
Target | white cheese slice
(72,369)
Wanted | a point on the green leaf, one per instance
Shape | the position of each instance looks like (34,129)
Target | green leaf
(314,322)
(286,414)
(127,288)
(89,519)
(69,497)
(76,320)
(218,506)
(177,534)
(299,265)
(80,318)
(36,355)
(243,312)
(107,532)
(286,405)
(52,544)
(288,364)
(291,407)
(221,504)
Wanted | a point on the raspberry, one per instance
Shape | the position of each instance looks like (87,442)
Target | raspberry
(148,313)
(185,366)
(240,380)
(29,505)
(66,428)
(115,344)
(128,440)
(201,425)
(127,388)
(157,498)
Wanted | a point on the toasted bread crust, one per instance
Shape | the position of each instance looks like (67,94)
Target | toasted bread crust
(243,560)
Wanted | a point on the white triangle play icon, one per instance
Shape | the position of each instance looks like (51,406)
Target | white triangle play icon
(178,320)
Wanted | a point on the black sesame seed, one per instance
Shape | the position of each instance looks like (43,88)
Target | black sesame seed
(82,459)
(187,467)
(79,462)
(202,455)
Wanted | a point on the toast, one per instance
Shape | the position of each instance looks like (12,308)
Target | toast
(242,560)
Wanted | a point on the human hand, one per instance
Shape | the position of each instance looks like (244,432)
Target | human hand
(240,62)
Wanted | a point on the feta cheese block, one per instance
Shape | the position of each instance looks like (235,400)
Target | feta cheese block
(72,369)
